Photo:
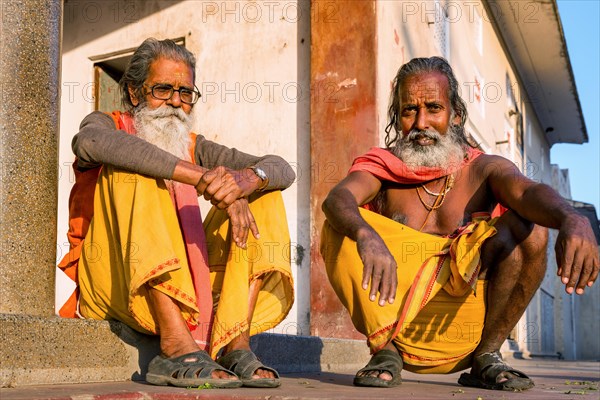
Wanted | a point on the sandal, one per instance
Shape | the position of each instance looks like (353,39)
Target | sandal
(244,363)
(486,371)
(192,369)
(382,361)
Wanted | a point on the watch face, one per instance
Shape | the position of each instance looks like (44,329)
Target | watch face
(260,173)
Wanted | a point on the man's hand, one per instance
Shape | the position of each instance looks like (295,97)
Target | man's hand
(222,186)
(379,266)
(241,220)
(577,254)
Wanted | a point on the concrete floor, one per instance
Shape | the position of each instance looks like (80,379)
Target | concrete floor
(554,380)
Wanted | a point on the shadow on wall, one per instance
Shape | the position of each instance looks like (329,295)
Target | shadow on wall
(147,346)
(105,17)
(288,353)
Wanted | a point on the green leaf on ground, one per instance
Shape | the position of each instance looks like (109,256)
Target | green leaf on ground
(205,386)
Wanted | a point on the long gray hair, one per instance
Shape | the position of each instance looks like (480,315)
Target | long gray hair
(418,66)
(137,70)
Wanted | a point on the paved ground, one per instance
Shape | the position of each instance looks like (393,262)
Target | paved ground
(554,380)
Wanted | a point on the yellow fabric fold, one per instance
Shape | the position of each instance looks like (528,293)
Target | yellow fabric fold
(135,238)
(426,264)
(267,257)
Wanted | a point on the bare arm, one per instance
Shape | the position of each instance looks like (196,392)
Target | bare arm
(576,247)
(341,209)
(341,205)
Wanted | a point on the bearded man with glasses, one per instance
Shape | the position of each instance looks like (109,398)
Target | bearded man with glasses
(141,252)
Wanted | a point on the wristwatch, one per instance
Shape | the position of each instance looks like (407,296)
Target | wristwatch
(262,175)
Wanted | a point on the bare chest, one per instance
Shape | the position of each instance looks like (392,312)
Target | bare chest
(431,207)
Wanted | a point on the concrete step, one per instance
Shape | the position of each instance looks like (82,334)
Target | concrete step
(38,350)
(556,380)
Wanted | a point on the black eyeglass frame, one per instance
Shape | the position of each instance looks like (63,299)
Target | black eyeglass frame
(173,90)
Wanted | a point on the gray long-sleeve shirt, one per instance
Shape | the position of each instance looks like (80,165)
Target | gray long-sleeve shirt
(99,142)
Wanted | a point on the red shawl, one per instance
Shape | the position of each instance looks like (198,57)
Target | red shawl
(387,167)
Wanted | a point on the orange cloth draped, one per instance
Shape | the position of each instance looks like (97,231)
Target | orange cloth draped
(387,167)
(81,210)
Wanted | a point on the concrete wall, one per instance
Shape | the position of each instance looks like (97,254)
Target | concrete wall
(576,325)
(564,324)
(587,324)
(253,64)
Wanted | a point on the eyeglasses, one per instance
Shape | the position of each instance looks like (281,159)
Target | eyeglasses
(165,92)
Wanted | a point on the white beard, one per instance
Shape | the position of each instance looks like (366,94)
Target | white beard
(165,127)
(445,152)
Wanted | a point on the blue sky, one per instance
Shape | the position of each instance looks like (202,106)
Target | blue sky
(581,25)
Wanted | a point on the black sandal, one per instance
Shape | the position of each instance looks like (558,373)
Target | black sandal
(188,370)
(244,364)
(486,370)
(382,361)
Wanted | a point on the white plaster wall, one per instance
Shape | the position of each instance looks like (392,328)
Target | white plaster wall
(576,326)
(253,68)
(564,326)
(402,34)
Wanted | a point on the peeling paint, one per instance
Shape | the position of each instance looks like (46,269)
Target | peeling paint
(347,83)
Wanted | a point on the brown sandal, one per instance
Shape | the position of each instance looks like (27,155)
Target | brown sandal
(382,361)
(244,364)
(486,370)
(188,370)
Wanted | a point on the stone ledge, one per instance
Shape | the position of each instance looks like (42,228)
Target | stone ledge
(38,350)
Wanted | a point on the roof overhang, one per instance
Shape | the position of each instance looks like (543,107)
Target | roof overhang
(536,45)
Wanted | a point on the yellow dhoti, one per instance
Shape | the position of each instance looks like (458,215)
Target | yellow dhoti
(134,242)
(437,318)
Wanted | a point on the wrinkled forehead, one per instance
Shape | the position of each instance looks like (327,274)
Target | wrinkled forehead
(166,70)
(424,87)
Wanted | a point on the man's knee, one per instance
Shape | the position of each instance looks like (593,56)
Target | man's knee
(516,234)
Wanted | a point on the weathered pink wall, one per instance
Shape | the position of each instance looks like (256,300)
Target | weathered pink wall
(343,125)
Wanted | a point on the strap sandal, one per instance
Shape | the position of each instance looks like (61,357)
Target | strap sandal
(244,364)
(489,371)
(188,370)
(383,361)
